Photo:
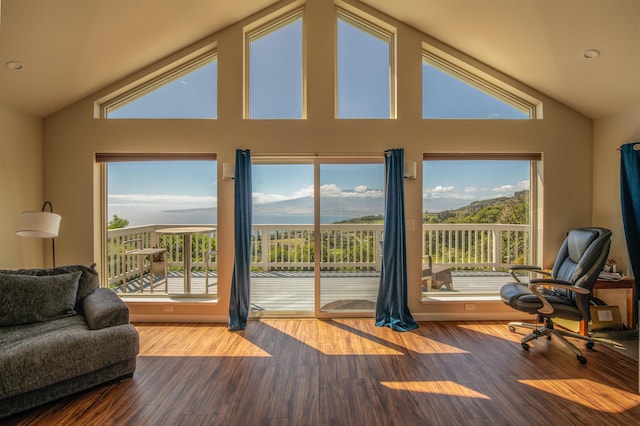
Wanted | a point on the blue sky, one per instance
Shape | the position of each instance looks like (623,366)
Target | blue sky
(453,184)
(152,192)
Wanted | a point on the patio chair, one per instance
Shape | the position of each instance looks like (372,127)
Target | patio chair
(435,276)
(208,257)
(137,249)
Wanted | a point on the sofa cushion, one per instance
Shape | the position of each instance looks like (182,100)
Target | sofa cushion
(27,299)
(89,280)
(41,354)
(103,308)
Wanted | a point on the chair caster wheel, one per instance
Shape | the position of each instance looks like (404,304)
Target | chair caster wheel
(589,345)
(526,346)
(582,359)
(512,329)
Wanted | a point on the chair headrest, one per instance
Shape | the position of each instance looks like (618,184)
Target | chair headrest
(578,241)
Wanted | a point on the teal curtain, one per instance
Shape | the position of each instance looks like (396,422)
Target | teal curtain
(392,309)
(630,201)
(239,304)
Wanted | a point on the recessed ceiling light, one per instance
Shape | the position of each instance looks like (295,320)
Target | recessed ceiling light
(14,65)
(591,53)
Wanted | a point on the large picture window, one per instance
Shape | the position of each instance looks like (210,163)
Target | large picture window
(479,213)
(146,196)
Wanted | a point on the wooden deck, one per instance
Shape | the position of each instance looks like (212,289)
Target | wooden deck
(294,291)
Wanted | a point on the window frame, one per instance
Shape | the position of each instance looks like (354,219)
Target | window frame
(253,32)
(154,81)
(380,30)
(102,160)
(535,207)
(481,81)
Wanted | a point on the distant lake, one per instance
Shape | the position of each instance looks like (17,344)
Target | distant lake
(138,217)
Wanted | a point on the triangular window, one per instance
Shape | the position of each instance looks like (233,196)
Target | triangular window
(451,92)
(189,91)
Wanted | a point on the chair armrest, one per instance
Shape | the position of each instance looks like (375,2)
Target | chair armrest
(537,285)
(103,308)
(527,268)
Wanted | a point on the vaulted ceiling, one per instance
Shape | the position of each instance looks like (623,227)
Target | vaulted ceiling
(72,48)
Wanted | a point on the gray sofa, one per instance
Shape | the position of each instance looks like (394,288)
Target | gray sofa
(60,334)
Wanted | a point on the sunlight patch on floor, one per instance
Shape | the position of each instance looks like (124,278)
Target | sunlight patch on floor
(440,387)
(493,332)
(203,341)
(585,392)
(411,341)
(332,340)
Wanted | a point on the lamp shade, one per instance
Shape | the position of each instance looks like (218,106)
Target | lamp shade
(39,224)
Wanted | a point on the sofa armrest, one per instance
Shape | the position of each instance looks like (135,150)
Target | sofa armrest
(103,308)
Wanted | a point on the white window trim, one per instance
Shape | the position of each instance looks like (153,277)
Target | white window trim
(476,78)
(152,82)
(535,208)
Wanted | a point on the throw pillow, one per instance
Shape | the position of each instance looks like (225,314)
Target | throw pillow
(27,299)
(89,280)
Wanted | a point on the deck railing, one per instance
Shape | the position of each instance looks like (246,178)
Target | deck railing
(345,247)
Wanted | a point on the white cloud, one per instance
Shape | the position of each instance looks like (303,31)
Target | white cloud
(164,200)
(470,189)
(503,188)
(447,196)
(261,198)
(307,191)
(520,186)
(360,191)
(443,189)
(328,190)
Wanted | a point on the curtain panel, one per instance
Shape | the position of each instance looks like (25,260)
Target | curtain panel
(239,303)
(630,203)
(392,309)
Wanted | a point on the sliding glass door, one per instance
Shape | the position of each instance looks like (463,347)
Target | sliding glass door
(351,198)
(317,228)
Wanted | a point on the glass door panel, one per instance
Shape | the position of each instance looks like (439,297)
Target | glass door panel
(351,222)
(282,249)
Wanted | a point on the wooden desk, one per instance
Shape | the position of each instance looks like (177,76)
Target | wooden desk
(626,283)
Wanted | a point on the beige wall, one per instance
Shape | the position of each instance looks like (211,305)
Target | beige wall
(72,136)
(609,134)
(20,186)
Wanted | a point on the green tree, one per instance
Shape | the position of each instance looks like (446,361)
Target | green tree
(117,222)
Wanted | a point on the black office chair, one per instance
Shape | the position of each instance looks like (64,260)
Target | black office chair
(562,293)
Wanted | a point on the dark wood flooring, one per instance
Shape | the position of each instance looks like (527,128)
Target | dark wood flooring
(349,372)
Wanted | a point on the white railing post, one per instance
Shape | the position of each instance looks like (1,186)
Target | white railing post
(266,248)
(457,245)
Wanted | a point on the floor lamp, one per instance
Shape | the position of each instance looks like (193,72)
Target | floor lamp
(40,224)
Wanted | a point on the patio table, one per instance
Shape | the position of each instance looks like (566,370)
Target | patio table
(187,232)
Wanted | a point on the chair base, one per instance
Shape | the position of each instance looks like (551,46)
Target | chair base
(550,331)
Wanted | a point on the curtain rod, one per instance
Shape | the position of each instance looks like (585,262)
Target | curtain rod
(636,146)
(272,156)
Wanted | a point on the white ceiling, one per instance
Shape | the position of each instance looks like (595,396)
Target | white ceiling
(72,48)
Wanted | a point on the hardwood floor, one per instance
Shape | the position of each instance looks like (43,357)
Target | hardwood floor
(349,372)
